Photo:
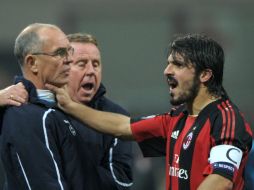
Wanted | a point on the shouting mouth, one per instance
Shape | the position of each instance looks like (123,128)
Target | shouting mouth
(172,82)
(88,87)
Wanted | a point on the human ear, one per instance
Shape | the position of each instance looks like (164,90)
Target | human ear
(31,63)
(206,75)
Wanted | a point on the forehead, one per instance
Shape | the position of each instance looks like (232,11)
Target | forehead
(175,57)
(83,49)
(53,38)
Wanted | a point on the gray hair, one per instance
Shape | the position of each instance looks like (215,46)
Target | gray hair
(28,41)
(83,38)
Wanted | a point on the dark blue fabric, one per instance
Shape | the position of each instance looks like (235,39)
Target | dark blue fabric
(249,170)
(39,149)
(81,153)
(95,148)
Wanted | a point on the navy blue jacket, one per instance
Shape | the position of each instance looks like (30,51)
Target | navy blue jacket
(38,147)
(249,170)
(43,148)
(107,160)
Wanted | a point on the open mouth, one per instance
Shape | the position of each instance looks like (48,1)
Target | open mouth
(88,86)
(172,82)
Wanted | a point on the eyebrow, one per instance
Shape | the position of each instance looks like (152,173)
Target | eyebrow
(177,62)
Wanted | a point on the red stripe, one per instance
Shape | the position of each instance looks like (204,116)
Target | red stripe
(223,122)
(229,122)
(233,122)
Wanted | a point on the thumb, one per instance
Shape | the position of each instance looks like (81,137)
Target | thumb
(52,88)
(20,84)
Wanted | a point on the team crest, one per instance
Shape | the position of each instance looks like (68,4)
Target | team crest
(72,130)
(187,140)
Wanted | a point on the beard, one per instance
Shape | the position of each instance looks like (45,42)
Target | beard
(188,95)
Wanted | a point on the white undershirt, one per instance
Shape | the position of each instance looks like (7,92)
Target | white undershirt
(46,95)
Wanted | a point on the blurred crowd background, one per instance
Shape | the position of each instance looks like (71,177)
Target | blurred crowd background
(133,37)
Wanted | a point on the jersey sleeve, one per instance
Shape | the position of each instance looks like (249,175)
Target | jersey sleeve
(231,141)
(150,133)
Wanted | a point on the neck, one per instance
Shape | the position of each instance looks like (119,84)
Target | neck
(35,80)
(200,102)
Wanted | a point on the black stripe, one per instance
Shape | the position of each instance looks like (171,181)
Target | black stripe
(187,154)
(179,126)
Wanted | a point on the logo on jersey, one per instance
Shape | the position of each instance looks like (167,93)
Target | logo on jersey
(225,166)
(178,172)
(187,140)
(72,130)
(175,134)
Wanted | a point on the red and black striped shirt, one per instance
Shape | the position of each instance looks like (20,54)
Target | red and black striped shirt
(187,141)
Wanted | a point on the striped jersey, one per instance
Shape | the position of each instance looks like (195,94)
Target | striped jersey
(197,146)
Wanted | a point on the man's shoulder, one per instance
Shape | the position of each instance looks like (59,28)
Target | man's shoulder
(27,114)
(107,104)
(224,107)
(25,110)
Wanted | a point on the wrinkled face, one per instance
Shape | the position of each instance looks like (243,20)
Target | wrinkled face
(53,67)
(85,75)
(182,80)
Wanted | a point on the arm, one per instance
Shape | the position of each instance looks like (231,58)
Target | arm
(105,122)
(227,158)
(215,182)
(13,95)
(115,170)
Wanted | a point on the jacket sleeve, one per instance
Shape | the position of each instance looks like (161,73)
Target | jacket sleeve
(249,170)
(116,168)
(32,154)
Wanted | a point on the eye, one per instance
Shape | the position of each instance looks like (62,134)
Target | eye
(81,63)
(61,52)
(179,64)
(96,63)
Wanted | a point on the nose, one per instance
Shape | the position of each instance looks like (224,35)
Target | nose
(168,70)
(90,68)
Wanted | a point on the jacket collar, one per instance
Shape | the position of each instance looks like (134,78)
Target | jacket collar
(32,93)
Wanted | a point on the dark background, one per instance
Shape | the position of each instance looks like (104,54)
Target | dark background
(133,36)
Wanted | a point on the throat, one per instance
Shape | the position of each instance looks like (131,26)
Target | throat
(198,105)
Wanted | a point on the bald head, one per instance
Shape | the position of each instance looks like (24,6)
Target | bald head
(44,54)
(29,41)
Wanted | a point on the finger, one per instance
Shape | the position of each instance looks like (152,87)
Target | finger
(65,87)
(20,100)
(20,84)
(13,103)
(52,88)
(19,94)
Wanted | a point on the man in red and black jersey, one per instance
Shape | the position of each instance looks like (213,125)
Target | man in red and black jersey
(205,138)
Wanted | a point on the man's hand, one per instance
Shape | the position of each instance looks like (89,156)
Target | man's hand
(63,98)
(13,95)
